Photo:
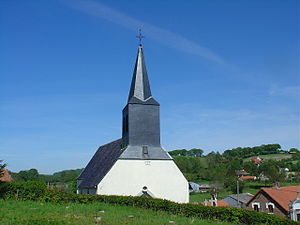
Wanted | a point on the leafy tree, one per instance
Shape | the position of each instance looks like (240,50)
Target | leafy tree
(270,169)
(2,166)
(31,174)
(195,152)
(295,150)
(231,184)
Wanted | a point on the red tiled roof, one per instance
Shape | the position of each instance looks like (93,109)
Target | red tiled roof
(5,176)
(248,177)
(220,203)
(283,196)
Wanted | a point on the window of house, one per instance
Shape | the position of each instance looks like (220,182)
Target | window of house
(256,206)
(270,206)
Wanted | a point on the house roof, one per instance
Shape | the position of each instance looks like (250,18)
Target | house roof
(282,196)
(256,160)
(244,198)
(248,177)
(242,172)
(220,203)
(140,92)
(5,176)
(100,164)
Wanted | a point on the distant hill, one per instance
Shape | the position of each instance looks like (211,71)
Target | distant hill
(33,174)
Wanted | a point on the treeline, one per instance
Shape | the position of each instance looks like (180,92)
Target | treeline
(195,152)
(33,174)
(222,172)
(235,152)
(252,151)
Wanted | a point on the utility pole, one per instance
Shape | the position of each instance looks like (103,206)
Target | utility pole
(238,192)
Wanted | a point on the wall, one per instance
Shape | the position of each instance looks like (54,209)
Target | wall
(162,178)
(263,199)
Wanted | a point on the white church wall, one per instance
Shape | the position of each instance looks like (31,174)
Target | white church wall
(162,178)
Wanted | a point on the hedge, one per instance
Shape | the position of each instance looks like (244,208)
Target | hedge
(33,190)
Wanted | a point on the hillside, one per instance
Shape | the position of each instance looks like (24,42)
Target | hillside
(279,156)
(28,212)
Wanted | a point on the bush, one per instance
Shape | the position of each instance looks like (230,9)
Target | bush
(28,190)
(38,191)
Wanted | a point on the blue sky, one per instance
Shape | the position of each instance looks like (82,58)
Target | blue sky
(226,74)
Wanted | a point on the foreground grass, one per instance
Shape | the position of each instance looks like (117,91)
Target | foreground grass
(29,212)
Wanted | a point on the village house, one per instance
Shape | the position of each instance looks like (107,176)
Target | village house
(284,201)
(238,201)
(256,160)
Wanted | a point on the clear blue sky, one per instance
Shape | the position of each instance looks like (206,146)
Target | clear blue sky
(225,72)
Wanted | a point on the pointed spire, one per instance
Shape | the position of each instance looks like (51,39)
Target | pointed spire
(140,87)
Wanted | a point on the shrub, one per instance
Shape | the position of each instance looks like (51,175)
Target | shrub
(37,191)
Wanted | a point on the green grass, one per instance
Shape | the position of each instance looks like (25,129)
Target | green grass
(29,212)
(200,197)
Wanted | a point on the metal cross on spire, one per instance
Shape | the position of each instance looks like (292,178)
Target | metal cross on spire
(140,36)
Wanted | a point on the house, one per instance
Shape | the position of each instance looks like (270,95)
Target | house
(217,203)
(248,178)
(256,160)
(242,173)
(5,176)
(232,200)
(136,164)
(282,201)
(206,187)
(194,187)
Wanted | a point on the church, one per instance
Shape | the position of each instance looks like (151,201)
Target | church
(136,164)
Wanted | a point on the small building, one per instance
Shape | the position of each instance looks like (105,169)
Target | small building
(248,178)
(5,176)
(206,187)
(282,201)
(194,187)
(242,173)
(216,203)
(256,160)
(238,201)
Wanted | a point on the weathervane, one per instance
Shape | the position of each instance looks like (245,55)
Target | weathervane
(140,36)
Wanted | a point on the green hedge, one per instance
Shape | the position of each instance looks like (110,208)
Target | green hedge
(38,191)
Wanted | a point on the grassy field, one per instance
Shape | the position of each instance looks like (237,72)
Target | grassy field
(28,212)
(272,156)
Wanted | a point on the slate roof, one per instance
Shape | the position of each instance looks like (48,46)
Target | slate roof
(154,152)
(100,164)
(140,92)
(244,197)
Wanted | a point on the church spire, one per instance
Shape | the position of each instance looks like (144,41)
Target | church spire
(140,87)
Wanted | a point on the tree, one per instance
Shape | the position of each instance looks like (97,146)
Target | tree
(294,150)
(270,169)
(31,174)
(195,152)
(2,166)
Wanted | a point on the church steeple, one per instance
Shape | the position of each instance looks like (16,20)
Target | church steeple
(141,123)
(140,87)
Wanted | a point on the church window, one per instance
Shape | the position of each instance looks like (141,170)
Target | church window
(145,150)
